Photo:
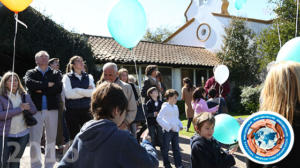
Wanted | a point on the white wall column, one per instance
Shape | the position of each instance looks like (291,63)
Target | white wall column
(176,80)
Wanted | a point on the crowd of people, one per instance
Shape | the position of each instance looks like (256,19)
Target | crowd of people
(114,123)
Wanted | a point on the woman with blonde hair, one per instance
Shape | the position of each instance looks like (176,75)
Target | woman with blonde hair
(13,123)
(77,87)
(281,94)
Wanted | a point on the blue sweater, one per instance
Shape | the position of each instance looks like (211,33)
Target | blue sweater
(102,144)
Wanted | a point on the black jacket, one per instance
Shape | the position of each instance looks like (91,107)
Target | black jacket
(148,83)
(208,154)
(151,108)
(34,81)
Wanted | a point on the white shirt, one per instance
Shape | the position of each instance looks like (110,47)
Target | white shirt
(17,124)
(168,117)
(76,93)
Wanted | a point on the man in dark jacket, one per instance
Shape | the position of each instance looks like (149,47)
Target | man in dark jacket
(151,81)
(44,85)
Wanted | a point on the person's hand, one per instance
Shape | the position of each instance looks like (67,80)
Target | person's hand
(145,135)
(155,114)
(123,126)
(51,84)
(38,91)
(233,149)
(90,87)
(25,106)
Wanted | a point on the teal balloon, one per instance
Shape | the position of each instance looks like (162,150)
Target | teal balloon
(290,51)
(226,129)
(239,4)
(127,23)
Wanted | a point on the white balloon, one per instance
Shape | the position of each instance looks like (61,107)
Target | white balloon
(221,74)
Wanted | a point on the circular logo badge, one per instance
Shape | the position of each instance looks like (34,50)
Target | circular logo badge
(266,137)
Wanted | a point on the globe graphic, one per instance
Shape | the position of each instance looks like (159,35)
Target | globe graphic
(265,138)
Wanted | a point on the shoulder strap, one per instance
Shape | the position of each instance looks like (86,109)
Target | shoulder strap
(134,91)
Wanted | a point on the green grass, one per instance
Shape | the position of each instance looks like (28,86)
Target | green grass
(192,131)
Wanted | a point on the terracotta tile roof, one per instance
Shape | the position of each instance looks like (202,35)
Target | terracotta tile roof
(106,49)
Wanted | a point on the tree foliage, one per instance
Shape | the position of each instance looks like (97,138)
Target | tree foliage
(268,41)
(158,35)
(42,34)
(239,53)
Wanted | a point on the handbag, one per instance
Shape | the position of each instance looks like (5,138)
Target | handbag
(29,119)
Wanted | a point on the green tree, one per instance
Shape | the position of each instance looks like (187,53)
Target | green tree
(239,53)
(268,41)
(158,35)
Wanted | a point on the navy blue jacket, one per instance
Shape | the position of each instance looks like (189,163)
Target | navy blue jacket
(101,144)
(84,83)
(208,154)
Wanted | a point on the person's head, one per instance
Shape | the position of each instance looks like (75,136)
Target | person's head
(199,93)
(75,64)
(171,96)
(281,90)
(204,124)
(109,102)
(54,63)
(41,58)
(153,93)
(188,83)
(6,81)
(151,70)
(131,79)
(159,76)
(212,93)
(110,72)
(123,75)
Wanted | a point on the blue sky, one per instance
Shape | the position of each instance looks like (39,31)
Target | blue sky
(90,16)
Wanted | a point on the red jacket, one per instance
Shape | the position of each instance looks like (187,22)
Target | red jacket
(211,83)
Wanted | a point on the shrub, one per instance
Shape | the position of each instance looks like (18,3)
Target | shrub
(250,98)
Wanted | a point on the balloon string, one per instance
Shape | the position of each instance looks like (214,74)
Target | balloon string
(11,86)
(297,18)
(138,81)
(278,31)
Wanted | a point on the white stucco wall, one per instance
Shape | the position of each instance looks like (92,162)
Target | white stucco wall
(203,14)
(176,80)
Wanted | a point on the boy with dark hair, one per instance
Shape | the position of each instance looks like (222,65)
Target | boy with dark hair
(214,101)
(168,119)
(100,143)
(206,151)
(54,63)
(153,107)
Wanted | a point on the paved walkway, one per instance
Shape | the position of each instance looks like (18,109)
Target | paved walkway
(185,153)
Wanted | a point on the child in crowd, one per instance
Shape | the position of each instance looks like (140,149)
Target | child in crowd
(206,151)
(153,107)
(213,101)
(101,144)
(199,104)
(168,119)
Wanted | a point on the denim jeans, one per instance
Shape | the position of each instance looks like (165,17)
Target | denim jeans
(13,149)
(173,138)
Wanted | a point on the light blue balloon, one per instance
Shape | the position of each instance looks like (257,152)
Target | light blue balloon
(127,23)
(226,129)
(239,4)
(290,51)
